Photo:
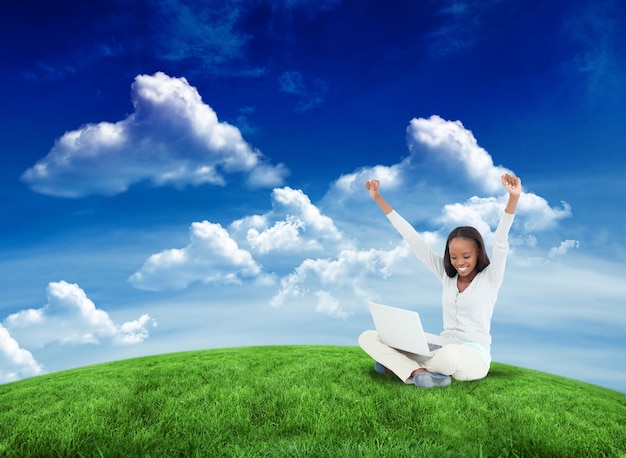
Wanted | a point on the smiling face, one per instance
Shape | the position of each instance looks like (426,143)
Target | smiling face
(464,257)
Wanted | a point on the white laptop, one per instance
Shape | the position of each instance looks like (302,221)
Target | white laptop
(402,329)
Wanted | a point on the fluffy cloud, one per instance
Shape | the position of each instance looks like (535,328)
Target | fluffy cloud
(294,224)
(538,215)
(15,362)
(324,269)
(448,143)
(172,138)
(347,275)
(70,317)
(454,147)
(330,285)
(533,211)
(211,256)
(453,144)
(217,255)
(353,182)
(563,248)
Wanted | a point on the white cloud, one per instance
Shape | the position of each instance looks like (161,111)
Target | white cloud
(211,256)
(348,275)
(134,332)
(328,305)
(538,215)
(563,248)
(266,175)
(332,284)
(342,274)
(528,241)
(353,182)
(216,254)
(294,224)
(70,317)
(534,213)
(172,138)
(454,148)
(449,143)
(475,212)
(15,362)
(283,235)
(454,145)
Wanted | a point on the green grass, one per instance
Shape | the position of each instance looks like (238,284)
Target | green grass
(301,401)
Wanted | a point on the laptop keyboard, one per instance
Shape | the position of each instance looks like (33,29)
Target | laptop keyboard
(433,347)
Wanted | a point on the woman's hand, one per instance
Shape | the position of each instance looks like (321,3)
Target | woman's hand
(512,184)
(373,186)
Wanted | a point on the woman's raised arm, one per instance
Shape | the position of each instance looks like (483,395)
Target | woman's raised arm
(513,185)
(373,187)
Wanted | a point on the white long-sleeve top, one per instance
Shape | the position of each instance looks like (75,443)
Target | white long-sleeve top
(467,314)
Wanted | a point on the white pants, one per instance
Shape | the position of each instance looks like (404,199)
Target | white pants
(456,360)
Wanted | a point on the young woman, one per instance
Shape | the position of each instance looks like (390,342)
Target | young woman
(471,282)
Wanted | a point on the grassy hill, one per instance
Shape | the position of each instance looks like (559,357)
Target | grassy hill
(301,401)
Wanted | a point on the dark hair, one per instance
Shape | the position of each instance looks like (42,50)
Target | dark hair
(470,233)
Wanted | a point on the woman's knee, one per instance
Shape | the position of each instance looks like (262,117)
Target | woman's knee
(445,361)
(470,372)
(459,362)
(366,337)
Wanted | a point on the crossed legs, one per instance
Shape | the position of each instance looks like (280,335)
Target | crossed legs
(458,361)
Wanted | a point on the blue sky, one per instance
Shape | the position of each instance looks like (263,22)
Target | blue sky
(189,175)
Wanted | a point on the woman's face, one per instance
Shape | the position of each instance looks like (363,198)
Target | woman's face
(463,256)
